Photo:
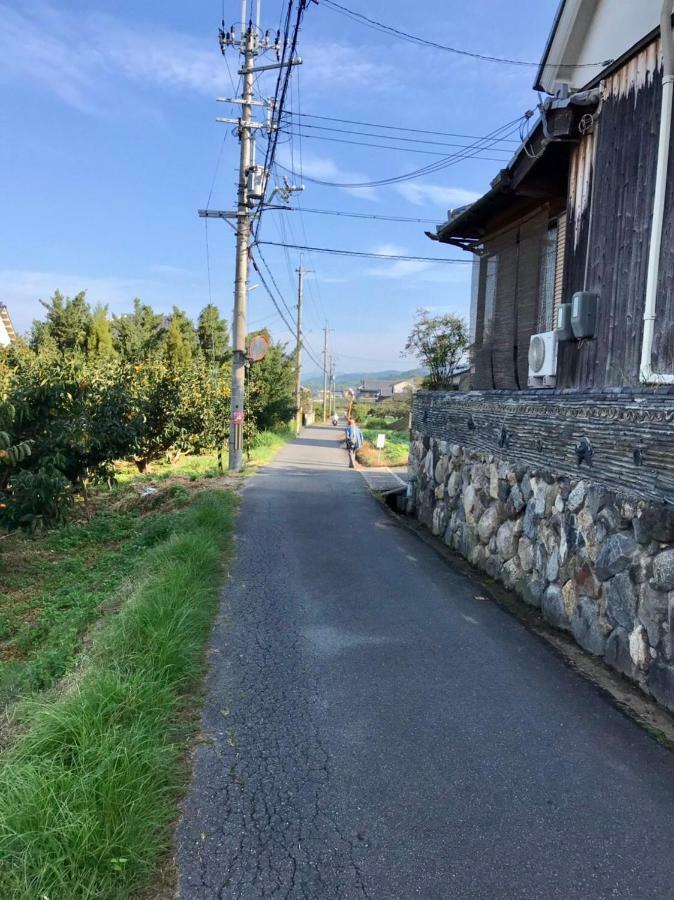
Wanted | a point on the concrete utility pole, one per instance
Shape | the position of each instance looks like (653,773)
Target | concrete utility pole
(325,372)
(252,190)
(334,386)
(298,349)
(242,257)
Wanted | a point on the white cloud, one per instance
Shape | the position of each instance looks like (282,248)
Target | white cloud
(80,59)
(438,195)
(335,66)
(423,270)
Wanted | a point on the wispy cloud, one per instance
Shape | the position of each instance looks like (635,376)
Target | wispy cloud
(334,66)
(399,268)
(437,194)
(80,58)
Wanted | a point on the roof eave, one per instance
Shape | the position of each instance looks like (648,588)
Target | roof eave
(548,45)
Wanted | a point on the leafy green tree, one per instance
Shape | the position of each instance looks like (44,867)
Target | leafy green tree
(176,411)
(137,335)
(73,413)
(67,324)
(213,335)
(440,343)
(99,339)
(177,349)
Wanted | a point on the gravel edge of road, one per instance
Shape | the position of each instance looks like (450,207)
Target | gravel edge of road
(626,697)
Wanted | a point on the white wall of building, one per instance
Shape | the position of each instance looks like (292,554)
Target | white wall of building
(592,31)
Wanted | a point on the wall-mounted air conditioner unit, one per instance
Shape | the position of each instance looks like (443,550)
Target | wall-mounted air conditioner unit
(543,359)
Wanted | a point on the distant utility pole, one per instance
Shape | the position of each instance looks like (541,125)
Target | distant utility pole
(298,349)
(251,191)
(325,371)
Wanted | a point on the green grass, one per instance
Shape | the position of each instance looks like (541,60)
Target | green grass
(395,450)
(56,584)
(205,465)
(267,444)
(88,791)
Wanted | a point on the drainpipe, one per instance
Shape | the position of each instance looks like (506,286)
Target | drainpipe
(647,375)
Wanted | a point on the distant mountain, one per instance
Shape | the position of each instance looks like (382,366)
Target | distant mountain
(353,379)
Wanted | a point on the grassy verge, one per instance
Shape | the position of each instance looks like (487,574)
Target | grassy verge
(102,628)
(395,450)
(266,445)
(56,584)
(88,791)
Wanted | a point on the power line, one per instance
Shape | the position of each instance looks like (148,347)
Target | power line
(278,289)
(282,89)
(336,140)
(291,328)
(357,215)
(271,296)
(473,137)
(425,42)
(452,159)
(365,254)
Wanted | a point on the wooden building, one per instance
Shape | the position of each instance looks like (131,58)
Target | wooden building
(574,210)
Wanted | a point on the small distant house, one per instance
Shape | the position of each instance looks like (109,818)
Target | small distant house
(7,333)
(378,391)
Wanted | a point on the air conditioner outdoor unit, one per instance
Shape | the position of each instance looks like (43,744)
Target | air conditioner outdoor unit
(543,359)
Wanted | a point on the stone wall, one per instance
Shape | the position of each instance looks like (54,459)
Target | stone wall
(627,435)
(597,561)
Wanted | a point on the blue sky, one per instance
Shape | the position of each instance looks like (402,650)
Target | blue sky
(110,145)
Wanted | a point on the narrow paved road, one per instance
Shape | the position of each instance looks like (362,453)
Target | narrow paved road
(372,729)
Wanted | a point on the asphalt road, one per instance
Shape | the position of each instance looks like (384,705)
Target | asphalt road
(373,729)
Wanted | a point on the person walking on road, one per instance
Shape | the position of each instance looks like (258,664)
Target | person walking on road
(354,440)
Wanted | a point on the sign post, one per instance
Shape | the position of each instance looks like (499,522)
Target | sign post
(380,443)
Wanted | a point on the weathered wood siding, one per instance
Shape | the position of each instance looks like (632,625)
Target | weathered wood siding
(501,360)
(611,185)
(542,429)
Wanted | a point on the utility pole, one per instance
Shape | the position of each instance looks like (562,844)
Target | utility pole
(325,371)
(334,387)
(242,258)
(251,191)
(298,350)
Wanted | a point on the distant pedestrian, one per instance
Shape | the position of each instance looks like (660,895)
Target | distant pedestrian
(354,440)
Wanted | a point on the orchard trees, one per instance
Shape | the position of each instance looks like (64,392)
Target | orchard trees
(88,390)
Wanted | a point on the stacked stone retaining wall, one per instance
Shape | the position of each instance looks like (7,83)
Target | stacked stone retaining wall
(597,561)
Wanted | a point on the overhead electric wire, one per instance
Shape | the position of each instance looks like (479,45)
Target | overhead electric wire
(365,254)
(426,42)
(335,140)
(359,215)
(282,88)
(271,296)
(390,137)
(502,131)
(291,328)
(273,281)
